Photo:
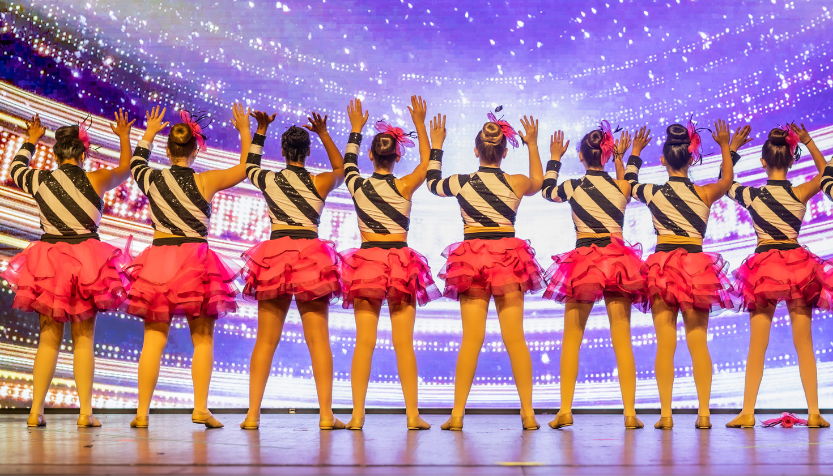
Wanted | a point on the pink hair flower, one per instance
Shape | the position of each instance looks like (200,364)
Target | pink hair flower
(506,129)
(401,137)
(196,129)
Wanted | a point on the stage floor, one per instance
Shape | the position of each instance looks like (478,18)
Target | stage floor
(490,444)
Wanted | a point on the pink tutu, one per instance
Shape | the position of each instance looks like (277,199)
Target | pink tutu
(687,280)
(304,268)
(396,275)
(794,276)
(189,279)
(586,274)
(483,268)
(69,283)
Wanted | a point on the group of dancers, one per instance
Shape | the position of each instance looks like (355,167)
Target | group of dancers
(70,275)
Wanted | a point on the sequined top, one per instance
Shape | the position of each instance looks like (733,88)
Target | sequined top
(598,204)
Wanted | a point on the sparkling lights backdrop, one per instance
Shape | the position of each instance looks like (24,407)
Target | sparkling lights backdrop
(568,63)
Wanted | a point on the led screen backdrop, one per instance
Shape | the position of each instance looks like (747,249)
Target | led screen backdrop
(568,63)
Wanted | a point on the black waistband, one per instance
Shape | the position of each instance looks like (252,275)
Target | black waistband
(294,234)
(489,235)
(601,242)
(777,246)
(179,240)
(669,247)
(72,240)
(385,245)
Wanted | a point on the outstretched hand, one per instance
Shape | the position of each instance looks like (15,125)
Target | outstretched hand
(418,110)
(240,118)
(721,133)
(622,145)
(154,122)
(741,138)
(530,132)
(317,124)
(263,121)
(34,129)
(557,145)
(641,139)
(437,131)
(357,118)
(122,128)
(803,135)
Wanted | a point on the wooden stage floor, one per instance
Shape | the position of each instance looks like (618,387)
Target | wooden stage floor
(489,445)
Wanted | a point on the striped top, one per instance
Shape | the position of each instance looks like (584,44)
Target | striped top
(380,206)
(486,198)
(675,206)
(290,193)
(176,205)
(66,199)
(598,204)
(827,180)
(776,211)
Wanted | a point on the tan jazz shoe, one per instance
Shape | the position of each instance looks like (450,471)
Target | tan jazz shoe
(88,421)
(250,424)
(664,423)
(140,422)
(334,424)
(633,423)
(816,421)
(35,421)
(530,423)
(206,419)
(454,423)
(417,423)
(355,424)
(561,420)
(742,421)
(703,423)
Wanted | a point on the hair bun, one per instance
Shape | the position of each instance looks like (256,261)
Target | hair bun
(297,137)
(385,145)
(491,133)
(677,135)
(67,133)
(595,138)
(778,136)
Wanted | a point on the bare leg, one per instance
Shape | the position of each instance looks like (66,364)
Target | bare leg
(575,320)
(402,318)
(619,314)
(317,334)
(760,321)
(367,321)
(510,311)
(271,316)
(202,363)
(46,359)
(473,311)
(696,336)
(83,362)
(801,317)
(156,337)
(665,325)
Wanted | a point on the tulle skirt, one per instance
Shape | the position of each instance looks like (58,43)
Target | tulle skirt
(187,280)
(688,280)
(586,274)
(483,268)
(307,269)
(393,275)
(795,276)
(69,282)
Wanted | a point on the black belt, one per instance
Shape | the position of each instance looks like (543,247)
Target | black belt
(294,234)
(385,245)
(72,239)
(179,240)
(669,247)
(777,246)
(601,242)
(489,235)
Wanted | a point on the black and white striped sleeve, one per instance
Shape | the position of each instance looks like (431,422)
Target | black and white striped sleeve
(827,180)
(257,175)
(139,167)
(551,190)
(439,186)
(24,176)
(640,191)
(352,177)
(742,194)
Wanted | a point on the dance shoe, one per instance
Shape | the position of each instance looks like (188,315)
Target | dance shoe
(561,420)
(813,421)
(664,423)
(206,419)
(139,422)
(417,423)
(250,424)
(88,421)
(334,424)
(742,421)
(35,421)
(355,424)
(703,423)
(530,423)
(633,423)
(454,423)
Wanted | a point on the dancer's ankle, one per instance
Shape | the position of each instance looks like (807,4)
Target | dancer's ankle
(326,415)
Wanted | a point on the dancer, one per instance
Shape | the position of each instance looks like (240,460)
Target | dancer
(780,269)
(385,268)
(178,274)
(490,261)
(680,277)
(294,262)
(602,266)
(69,275)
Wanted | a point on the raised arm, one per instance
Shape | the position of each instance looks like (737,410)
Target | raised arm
(621,147)
(713,191)
(139,167)
(24,176)
(326,182)
(440,187)
(639,191)
(108,179)
(412,181)
(807,190)
(551,190)
(528,186)
(212,181)
(257,175)
(358,119)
